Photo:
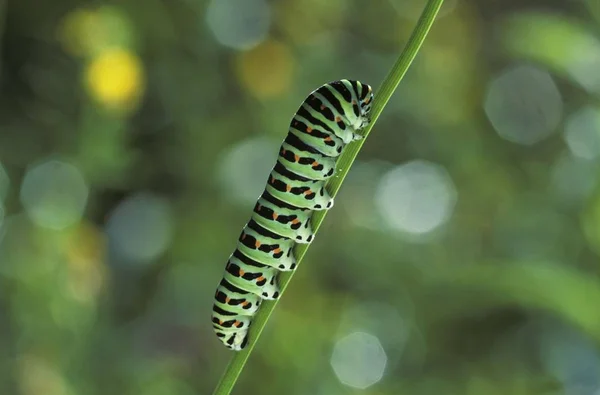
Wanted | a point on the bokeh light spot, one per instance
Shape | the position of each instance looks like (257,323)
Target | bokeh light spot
(85,250)
(359,360)
(88,32)
(583,133)
(524,105)
(36,375)
(416,197)
(79,32)
(140,228)
(239,24)
(115,78)
(573,179)
(54,194)
(251,69)
(244,168)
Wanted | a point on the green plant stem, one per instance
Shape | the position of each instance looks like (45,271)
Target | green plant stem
(382,96)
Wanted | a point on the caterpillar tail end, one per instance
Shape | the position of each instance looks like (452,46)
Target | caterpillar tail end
(235,341)
(230,328)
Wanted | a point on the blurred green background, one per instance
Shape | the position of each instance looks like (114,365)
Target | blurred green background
(461,256)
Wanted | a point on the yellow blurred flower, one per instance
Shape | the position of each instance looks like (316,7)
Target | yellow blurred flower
(115,78)
(267,69)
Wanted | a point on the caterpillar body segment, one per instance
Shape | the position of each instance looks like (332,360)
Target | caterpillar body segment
(257,279)
(283,219)
(298,191)
(266,247)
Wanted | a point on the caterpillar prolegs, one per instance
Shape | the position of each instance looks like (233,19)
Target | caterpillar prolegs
(325,123)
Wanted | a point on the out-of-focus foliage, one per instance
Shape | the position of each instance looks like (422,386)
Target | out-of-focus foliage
(462,256)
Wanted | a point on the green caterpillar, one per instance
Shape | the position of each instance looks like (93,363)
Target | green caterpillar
(327,120)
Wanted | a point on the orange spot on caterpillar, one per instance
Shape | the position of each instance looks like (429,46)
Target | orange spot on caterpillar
(283,151)
(277,250)
(308,192)
(261,278)
(272,180)
(275,215)
(243,236)
(309,129)
(245,303)
(315,164)
(322,106)
(338,119)
(257,244)
(258,207)
(328,138)
(237,324)
(220,322)
(227,300)
(288,188)
(295,221)
(241,272)
(296,158)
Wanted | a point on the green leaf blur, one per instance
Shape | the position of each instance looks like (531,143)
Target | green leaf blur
(461,256)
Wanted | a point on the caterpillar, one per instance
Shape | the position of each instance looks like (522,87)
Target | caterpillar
(325,123)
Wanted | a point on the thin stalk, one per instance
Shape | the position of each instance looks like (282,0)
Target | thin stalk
(382,96)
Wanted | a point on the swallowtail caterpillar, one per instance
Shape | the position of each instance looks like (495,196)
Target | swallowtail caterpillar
(325,123)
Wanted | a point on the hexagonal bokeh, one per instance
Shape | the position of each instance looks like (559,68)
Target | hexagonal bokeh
(244,167)
(416,197)
(239,24)
(582,133)
(140,228)
(54,194)
(573,179)
(524,105)
(359,360)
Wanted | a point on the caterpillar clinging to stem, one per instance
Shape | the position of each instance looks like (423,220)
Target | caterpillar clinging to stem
(325,123)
